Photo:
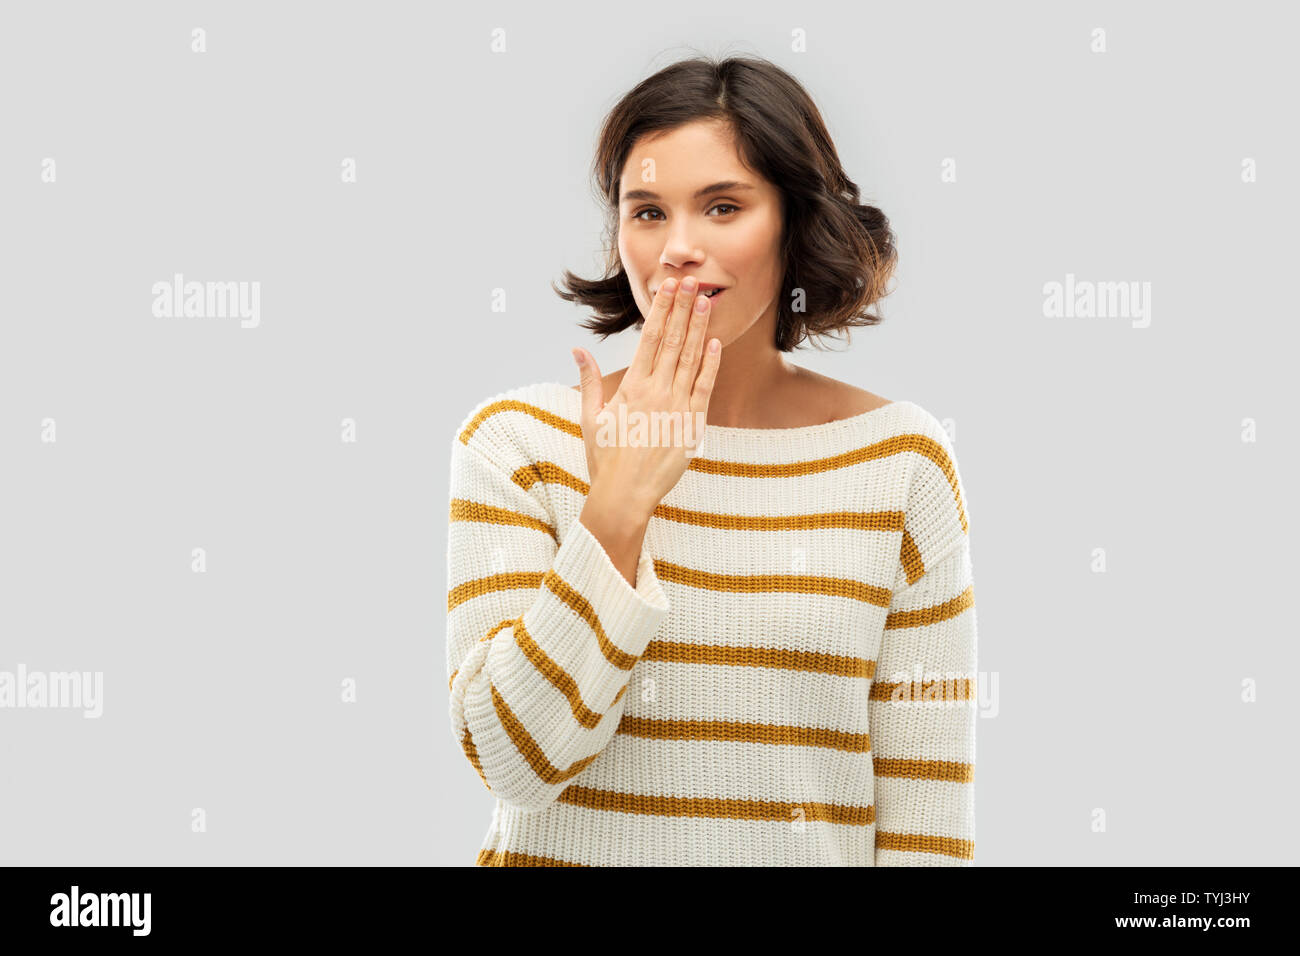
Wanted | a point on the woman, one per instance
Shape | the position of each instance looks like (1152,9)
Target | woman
(758,650)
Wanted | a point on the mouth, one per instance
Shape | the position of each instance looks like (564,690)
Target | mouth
(711,291)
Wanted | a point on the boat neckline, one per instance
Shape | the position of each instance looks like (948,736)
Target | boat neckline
(729,431)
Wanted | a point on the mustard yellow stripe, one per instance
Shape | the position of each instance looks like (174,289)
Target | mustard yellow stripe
(507,858)
(547,472)
(785,658)
(511,405)
(910,556)
(463,510)
(679,652)
(764,583)
(745,732)
(858,520)
(955,689)
(947,770)
(895,445)
(566,593)
(467,744)
(922,843)
(716,807)
(932,615)
(557,676)
(529,749)
(507,581)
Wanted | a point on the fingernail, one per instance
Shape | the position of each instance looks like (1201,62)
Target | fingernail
(577,356)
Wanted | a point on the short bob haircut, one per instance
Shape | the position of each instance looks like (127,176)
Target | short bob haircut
(840,252)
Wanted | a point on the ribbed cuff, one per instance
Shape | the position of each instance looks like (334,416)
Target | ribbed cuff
(629,615)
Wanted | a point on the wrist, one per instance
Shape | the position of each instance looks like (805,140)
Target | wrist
(617,509)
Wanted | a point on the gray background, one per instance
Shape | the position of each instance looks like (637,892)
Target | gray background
(326,561)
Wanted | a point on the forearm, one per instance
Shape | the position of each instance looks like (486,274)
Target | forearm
(619,525)
(530,682)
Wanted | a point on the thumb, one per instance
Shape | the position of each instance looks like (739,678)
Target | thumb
(589,380)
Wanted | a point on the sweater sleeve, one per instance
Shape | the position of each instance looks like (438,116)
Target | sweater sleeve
(922,707)
(922,713)
(542,634)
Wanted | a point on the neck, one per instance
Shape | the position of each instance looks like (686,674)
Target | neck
(752,371)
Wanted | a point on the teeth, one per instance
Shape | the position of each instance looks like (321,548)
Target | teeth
(712,292)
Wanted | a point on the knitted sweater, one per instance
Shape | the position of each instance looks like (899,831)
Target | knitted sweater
(791,680)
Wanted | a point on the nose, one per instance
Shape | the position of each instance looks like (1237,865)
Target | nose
(681,247)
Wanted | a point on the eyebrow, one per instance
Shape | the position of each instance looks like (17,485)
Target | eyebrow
(726,186)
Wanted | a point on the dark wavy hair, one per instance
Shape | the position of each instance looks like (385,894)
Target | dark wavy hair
(839,251)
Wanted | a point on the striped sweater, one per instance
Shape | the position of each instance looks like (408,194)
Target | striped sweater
(791,681)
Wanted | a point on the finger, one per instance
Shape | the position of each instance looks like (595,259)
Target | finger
(593,398)
(643,362)
(688,364)
(708,375)
(675,333)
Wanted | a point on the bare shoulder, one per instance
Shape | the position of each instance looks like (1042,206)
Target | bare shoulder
(835,399)
(858,400)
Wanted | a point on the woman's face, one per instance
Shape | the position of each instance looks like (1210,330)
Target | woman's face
(673,223)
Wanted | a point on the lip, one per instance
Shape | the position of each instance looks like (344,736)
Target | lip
(703,287)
